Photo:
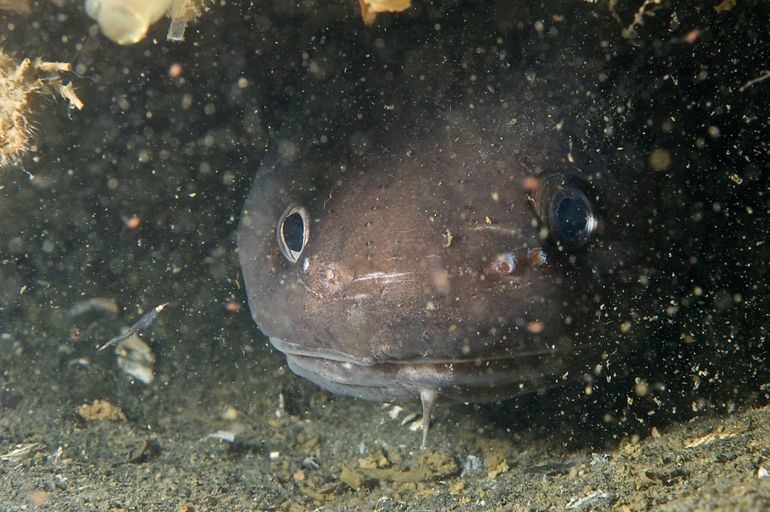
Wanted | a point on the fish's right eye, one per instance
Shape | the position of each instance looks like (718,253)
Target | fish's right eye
(293,232)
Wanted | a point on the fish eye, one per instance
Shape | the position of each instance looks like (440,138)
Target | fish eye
(293,232)
(571,218)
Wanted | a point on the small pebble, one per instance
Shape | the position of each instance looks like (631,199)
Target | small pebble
(101,410)
(231,414)
(472,464)
(395,411)
(600,458)
(309,463)
(223,435)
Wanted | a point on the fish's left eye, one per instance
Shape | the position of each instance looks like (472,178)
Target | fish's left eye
(570,217)
(293,232)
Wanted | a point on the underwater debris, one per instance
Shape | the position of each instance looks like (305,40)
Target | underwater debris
(127,21)
(148,449)
(18,6)
(20,84)
(21,452)
(370,8)
(99,304)
(471,465)
(101,410)
(181,13)
(710,438)
(764,75)
(725,6)
(135,358)
(143,323)
(223,435)
(594,499)
(377,468)
(645,10)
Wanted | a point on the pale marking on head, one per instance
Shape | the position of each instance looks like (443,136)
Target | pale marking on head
(387,278)
(499,229)
(358,297)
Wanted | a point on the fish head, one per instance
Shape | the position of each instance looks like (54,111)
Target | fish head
(474,255)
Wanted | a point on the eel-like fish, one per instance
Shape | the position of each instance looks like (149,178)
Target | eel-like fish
(477,238)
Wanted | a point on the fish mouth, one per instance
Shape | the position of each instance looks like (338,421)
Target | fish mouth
(461,380)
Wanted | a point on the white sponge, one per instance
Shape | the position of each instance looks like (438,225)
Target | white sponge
(126,21)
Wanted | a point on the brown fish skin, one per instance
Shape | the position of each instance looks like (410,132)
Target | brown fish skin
(400,292)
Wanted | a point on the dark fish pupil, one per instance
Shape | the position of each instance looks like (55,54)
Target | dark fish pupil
(293,230)
(571,217)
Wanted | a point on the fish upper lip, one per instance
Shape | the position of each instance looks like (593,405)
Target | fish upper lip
(294,349)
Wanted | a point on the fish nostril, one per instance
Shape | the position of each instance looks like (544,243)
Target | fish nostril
(518,262)
(333,277)
(505,263)
(537,257)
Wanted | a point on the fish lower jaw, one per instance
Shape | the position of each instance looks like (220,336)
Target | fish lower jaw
(404,382)
(429,381)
